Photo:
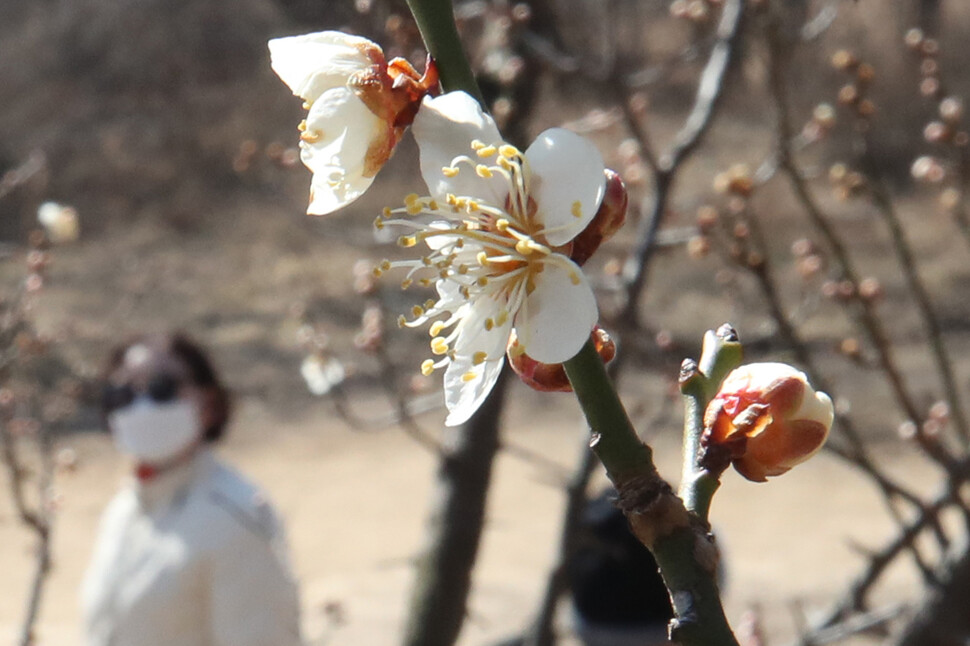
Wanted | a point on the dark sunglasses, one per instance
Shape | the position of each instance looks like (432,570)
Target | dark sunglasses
(161,388)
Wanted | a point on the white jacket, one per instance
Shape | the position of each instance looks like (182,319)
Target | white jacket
(193,557)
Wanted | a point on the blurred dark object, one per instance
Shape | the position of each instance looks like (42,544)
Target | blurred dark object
(618,595)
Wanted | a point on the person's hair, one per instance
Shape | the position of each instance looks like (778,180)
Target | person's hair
(201,372)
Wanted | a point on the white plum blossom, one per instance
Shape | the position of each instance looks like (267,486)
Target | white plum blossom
(498,226)
(59,221)
(359,106)
(322,374)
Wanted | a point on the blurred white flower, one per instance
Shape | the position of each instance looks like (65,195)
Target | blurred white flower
(359,106)
(321,374)
(499,225)
(59,221)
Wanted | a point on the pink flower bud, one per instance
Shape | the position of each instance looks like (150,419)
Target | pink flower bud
(768,419)
(551,377)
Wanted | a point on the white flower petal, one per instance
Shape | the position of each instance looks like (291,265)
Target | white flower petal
(345,129)
(463,397)
(556,319)
(314,63)
(444,128)
(567,182)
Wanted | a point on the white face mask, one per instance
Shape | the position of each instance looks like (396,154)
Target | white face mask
(154,433)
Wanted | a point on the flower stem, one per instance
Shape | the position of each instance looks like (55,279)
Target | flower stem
(436,22)
(614,439)
(699,382)
(679,541)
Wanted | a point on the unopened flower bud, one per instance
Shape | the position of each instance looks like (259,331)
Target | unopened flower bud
(607,221)
(843,60)
(824,116)
(929,86)
(551,377)
(321,373)
(936,132)
(928,169)
(768,418)
(914,39)
(951,109)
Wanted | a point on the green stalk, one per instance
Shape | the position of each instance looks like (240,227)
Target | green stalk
(678,539)
(614,439)
(436,22)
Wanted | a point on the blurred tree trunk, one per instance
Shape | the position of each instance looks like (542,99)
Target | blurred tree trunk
(454,529)
(944,619)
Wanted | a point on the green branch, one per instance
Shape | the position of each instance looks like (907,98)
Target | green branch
(436,22)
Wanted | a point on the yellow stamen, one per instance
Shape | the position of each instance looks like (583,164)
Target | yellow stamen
(483,171)
(469,376)
(489,324)
(406,283)
(449,171)
(417,310)
(407,241)
(509,151)
(436,328)
(439,345)
(427,367)
(401,321)
(574,278)
(479,358)
(577,209)
(487,151)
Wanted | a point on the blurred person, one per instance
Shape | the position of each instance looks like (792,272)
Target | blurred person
(189,553)
(619,598)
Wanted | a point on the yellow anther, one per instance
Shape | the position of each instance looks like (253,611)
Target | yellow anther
(487,151)
(411,198)
(574,278)
(311,136)
(482,258)
(464,292)
(302,126)
(479,358)
(426,261)
(577,209)
(417,310)
(443,274)
(401,321)
(509,151)
(407,241)
(414,208)
(428,304)
(385,265)
(471,205)
(427,367)
(477,144)
(482,281)
(502,225)
(469,376)
(377,272)
(425,282)
(462,269)
(451,199)
(489,324)
(459,243)
(530,285)
(482,170)
(504,163)
(406,283)
(387,212)
(503,317)
(524,247)
(516,350)
(432,205)
(378,223)
(307,105)
(439,345)
(436,328)
(449,171)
